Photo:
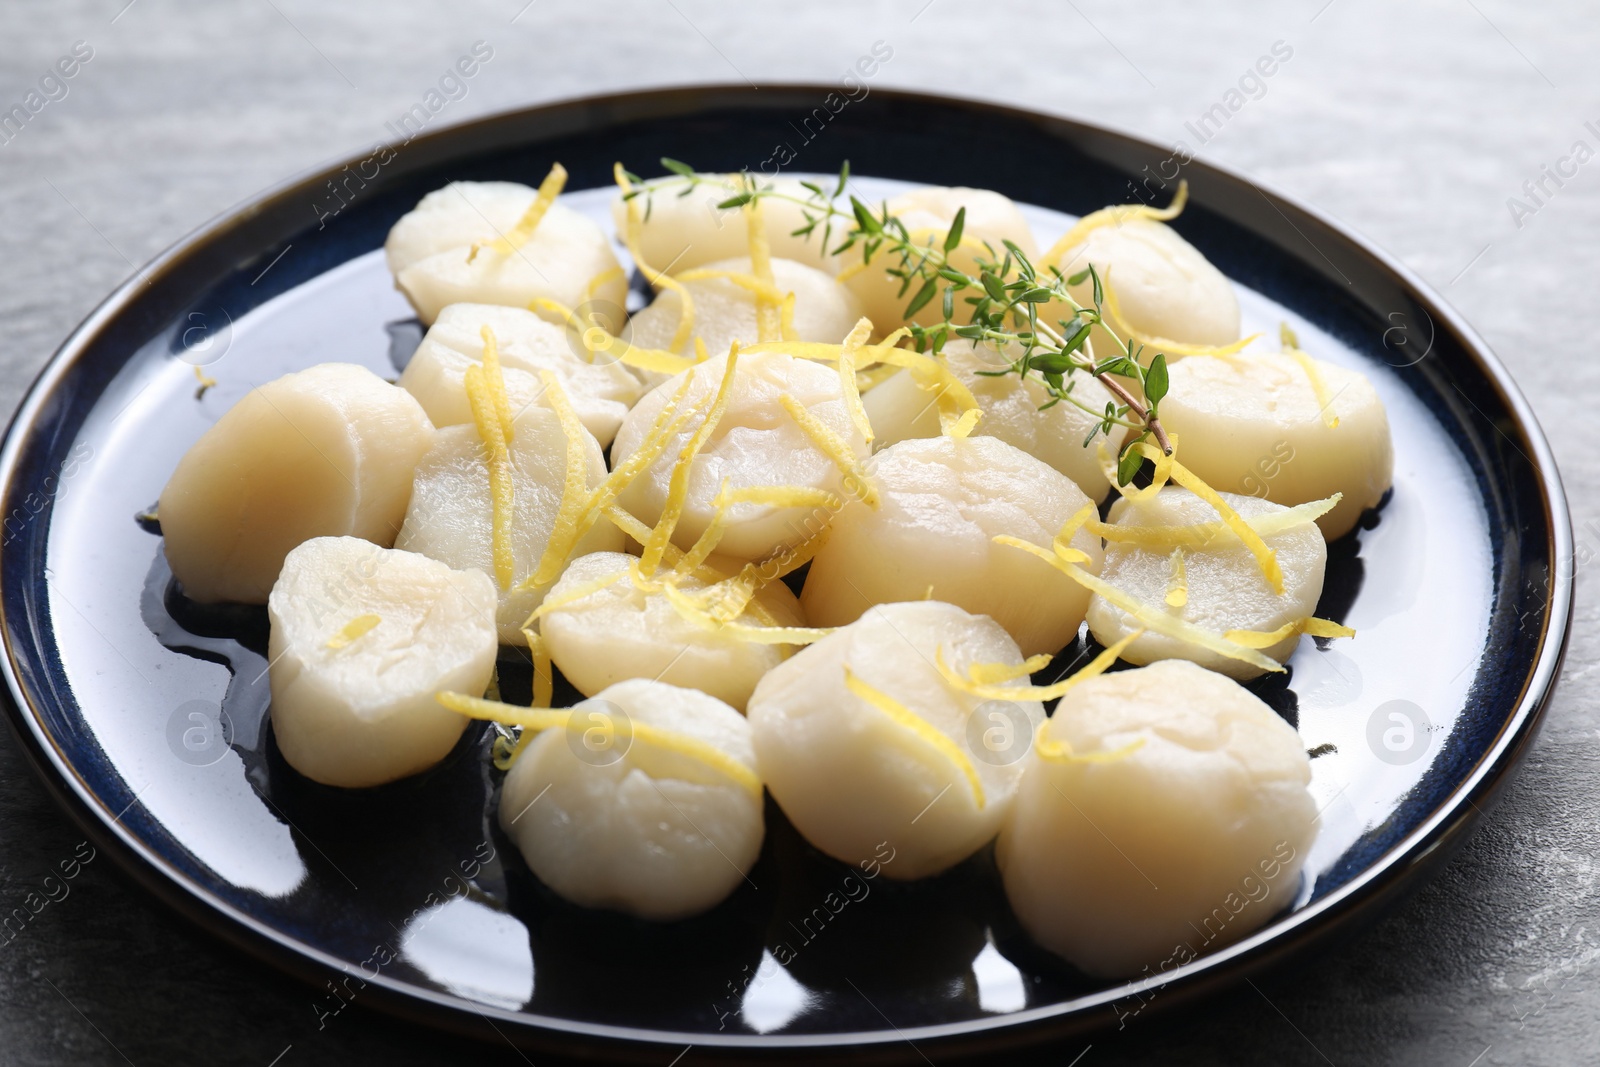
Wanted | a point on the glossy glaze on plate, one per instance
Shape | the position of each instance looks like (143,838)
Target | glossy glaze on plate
(1459,589)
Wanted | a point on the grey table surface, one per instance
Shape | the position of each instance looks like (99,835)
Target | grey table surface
(1414,123)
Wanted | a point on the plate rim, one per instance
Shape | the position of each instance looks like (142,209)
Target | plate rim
(1363,896)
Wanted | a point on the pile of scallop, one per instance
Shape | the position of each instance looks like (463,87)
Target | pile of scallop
(779,549)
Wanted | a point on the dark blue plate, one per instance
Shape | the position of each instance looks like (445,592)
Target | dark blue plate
(146,716)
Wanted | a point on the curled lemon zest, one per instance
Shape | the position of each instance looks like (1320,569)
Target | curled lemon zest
(574,491)
(1158,481)
(762,290)
(1177,580)
(668,423)
(1151,618)
(1063,539)
(691,610)
(655,741)
(543,679)
(1114,214)
(678,483)
(495,379)
(205,381)
(551,604)
(497,458)
(523,231)
(1057,750)
(352,630)
(1204,534)
(1319,386)
(989,691)
(1309,625)
(596,338)
(995,673)
(1266,558)
(786,318)
(924,731)
(768,316)
(660,280)
(835,448)
(848,385)
(604,277)
(1167,344)
(963,425)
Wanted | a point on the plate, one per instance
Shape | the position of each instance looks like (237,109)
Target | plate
(146,716)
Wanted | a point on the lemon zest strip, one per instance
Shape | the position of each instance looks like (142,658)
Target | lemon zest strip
(966,683)
(1203,534)
(495,379)
(835,448)
(660,280)
(543,679)
(1309,625)
(497,458)
(1063,539)
(536,720)
(668,422)
(786,318)
(352,630)
(762,290)
(596,338)
(1151,618)
(678,484)
(1166,344)
(602,278)
(920,728)
(768,321)
(692,611)
(848,385)
(1319,386)
(995,673)
(1116,213)
(523,231)
(574,492)
(1059,751)
(1266,558)
(551,604)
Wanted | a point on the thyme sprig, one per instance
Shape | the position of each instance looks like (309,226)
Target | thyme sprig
(1005,298)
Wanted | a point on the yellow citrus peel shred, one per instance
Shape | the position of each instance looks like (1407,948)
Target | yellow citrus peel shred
(523,231)
(596,338)
(1153,619)
(920,728)
(495,379)
(1063,539)
(497,457)
(352,630)
(1166,344)
(1266,558)
(1205,534)
(848,385)
(1309,625)
(646,743)
(1319,386)
(835,448)
(574,491)
(678,484)
(1112,215)
(661,280)
(969,684)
